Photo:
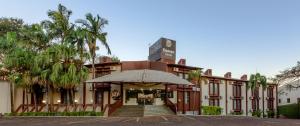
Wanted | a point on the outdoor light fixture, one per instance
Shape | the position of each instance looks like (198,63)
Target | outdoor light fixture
(76,101)
(44,101)
(92,100)
(150,89)
(58,101)
(142,89)
(131,89)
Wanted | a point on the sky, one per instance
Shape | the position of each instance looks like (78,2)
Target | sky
(238,36)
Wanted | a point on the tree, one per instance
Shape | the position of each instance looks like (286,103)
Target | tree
(115,59)
(67,70)
(93,27)
(257,80)
(59,26)
(195,76)
(10,25)
(289,74)
(50,55)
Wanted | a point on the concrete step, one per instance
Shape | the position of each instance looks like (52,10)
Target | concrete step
(140,111)
(129,111)
(156,110)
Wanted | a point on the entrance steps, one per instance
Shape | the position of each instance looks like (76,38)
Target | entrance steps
(140,111)
(156,110)
(129,111)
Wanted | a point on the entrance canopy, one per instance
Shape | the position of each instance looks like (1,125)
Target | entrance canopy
(141,76)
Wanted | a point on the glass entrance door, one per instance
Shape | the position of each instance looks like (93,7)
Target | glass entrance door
(146,97)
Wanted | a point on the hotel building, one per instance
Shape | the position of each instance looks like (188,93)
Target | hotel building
(121,87)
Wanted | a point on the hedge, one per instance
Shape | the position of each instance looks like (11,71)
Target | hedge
(211,110)
(289,111)
(87,113)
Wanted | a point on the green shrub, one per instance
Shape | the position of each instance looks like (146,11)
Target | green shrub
(257,113)
(81,113)
(289,111)
(211,110)
(270,114)
(237,113)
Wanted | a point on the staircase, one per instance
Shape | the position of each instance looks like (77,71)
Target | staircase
(129,111)
(140,111)
(157,110)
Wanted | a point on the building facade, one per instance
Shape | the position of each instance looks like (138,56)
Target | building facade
(289,95)
(231,94)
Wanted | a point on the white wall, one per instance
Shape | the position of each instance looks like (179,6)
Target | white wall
(205,91)
(5,103)
(284,94)
(223,99)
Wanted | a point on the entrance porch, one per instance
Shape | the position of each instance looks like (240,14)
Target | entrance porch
(145,88)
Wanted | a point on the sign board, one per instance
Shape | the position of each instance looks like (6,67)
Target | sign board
(163,49)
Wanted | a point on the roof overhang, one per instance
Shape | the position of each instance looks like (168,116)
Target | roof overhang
(144,76)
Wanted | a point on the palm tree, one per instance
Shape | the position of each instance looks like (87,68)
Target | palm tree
(93,27)
(195,76)
(66,67)
(255,81)
(59,27)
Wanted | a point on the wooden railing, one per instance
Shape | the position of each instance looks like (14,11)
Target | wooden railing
(114,107)
(171,105)
(110,108)
(55,107)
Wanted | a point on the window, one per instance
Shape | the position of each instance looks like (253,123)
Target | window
(298,99)
(186,97)
(279,100)
(270,92)
(236,97)
(237,105)
(213,102)
(288,100)
(222,81)
(180,75)
(270,104)
(186,76)
(214,89)
(236,90)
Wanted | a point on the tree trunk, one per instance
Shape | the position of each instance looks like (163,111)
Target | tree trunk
(35,100)
(47,97)
(94,76)
(51,98)
(68,100)
(73,98)
(200,86)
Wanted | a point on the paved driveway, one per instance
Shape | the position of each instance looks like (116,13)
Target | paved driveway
(147,121)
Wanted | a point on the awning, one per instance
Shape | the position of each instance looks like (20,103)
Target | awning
(141,76)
